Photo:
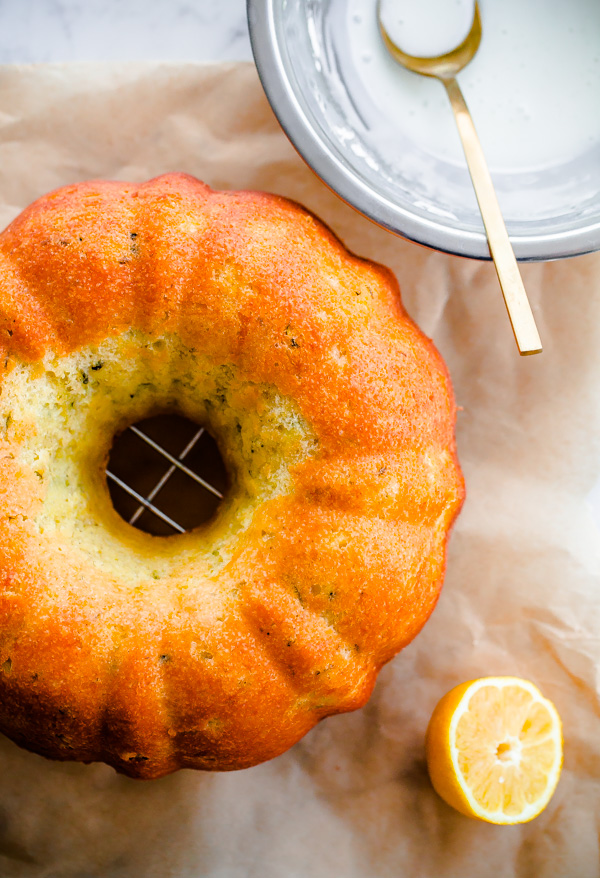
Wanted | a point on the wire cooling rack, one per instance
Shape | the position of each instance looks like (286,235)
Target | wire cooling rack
(166,475)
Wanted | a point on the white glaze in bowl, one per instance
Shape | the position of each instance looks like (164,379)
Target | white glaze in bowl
(534,89)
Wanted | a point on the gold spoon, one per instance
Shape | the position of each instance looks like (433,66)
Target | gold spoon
(445,67)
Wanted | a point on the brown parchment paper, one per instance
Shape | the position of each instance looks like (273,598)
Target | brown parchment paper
(522,592)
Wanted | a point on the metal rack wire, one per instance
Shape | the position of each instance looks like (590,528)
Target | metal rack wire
(150,499)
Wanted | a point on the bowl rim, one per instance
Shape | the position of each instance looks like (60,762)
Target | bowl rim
(340,177)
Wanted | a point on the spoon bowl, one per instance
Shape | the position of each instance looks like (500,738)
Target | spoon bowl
(445,67)
(437,66)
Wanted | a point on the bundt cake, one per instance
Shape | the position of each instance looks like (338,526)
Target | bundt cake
(218,648)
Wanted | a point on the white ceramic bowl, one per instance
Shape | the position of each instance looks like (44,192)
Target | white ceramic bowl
(551,211)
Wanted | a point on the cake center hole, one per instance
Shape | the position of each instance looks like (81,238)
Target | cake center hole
(166,475)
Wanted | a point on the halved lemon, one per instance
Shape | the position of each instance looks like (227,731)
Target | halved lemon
(494,749)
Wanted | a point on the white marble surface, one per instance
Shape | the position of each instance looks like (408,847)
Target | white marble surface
(168,30)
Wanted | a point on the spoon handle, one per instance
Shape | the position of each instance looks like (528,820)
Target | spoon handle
(515,297)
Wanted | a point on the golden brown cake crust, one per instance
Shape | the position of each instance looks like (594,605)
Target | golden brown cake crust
(325,583)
